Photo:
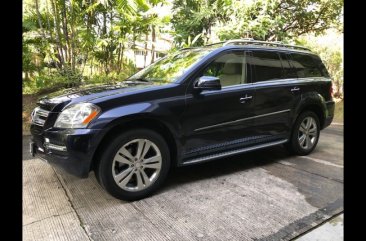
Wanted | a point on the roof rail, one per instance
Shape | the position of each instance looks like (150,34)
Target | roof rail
(259,42)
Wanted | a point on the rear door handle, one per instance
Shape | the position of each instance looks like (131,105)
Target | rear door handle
(295,89)
(244,99)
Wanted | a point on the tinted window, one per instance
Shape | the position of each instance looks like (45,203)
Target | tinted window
(229,68)
(305,66)
(171,67)
(321,66)
(288,71)
(267,65)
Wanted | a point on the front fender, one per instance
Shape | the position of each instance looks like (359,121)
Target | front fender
(146,112)
(126,113)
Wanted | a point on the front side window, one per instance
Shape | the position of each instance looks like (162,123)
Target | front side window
(305,66)
(267,65)
(230,68)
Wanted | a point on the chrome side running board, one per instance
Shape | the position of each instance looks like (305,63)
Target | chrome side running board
(233,152)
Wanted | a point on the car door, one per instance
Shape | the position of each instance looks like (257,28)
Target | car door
(277,92)
(214,120)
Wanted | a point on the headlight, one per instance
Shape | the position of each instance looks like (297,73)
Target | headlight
(77,116)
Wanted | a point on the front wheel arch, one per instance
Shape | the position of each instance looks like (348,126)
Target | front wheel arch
(146,123)
(116,185)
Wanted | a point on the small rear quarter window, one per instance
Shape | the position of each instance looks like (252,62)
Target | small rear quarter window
(305,66)
(321,66)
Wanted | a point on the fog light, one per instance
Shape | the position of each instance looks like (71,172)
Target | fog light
(54,147)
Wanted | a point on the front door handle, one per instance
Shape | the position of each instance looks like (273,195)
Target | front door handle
(295,89)
(244,99)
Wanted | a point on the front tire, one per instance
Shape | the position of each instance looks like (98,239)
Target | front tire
(134,164)
(305,134)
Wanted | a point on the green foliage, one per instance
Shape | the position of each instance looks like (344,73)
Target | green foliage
(197,17)
(73,42)
(114,77)
(47,81)
(331,54)
(339,111)
(62,37)
(261,19)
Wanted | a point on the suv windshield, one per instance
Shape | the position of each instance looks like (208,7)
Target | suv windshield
(171,67)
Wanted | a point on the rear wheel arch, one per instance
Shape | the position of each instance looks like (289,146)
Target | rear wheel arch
(317,109)
(304,134)
(314,103)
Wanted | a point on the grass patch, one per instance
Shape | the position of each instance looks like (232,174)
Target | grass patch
(338,111)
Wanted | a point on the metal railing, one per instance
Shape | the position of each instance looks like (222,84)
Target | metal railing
(251,41)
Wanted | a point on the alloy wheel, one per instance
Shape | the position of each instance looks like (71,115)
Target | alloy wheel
(308,133)
(136,165)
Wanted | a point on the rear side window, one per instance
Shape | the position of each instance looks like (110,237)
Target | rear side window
(305,66)
(288,71)
(321,66)
(267,65)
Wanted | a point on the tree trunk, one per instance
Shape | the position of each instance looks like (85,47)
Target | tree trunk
(104,29)
(40,20)
(145,49)
(91,68)
(48,22)
(65,31)
(104,33)
(122,51)
(73,55)
(111,57)
(58,32)
(119,58)
(134,46)
(153,39)
(86,59)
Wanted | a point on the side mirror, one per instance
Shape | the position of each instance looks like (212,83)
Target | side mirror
(208,83)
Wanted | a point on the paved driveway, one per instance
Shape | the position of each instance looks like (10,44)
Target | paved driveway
(262,195)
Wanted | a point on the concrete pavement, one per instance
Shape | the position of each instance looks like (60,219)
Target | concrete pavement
(262,195)
(331,230)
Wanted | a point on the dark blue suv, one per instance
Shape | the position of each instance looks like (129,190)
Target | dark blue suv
(192,106)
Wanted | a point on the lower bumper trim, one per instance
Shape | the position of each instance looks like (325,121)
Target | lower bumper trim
(55,147)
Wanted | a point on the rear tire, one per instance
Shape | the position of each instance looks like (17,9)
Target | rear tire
(304,135)
(134,164)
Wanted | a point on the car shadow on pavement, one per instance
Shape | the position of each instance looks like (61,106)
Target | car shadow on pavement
(223,166)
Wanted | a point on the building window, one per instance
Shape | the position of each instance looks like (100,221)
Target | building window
(140,52)
(159,55)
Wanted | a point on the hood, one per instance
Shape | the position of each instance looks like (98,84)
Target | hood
(89,92)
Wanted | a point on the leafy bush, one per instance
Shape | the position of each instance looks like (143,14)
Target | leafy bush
(128,70)
(50,81)
(73,77)
(330,51)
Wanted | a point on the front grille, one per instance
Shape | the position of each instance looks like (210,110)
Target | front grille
(39,116)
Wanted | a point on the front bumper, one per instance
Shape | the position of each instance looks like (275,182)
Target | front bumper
(70,149)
